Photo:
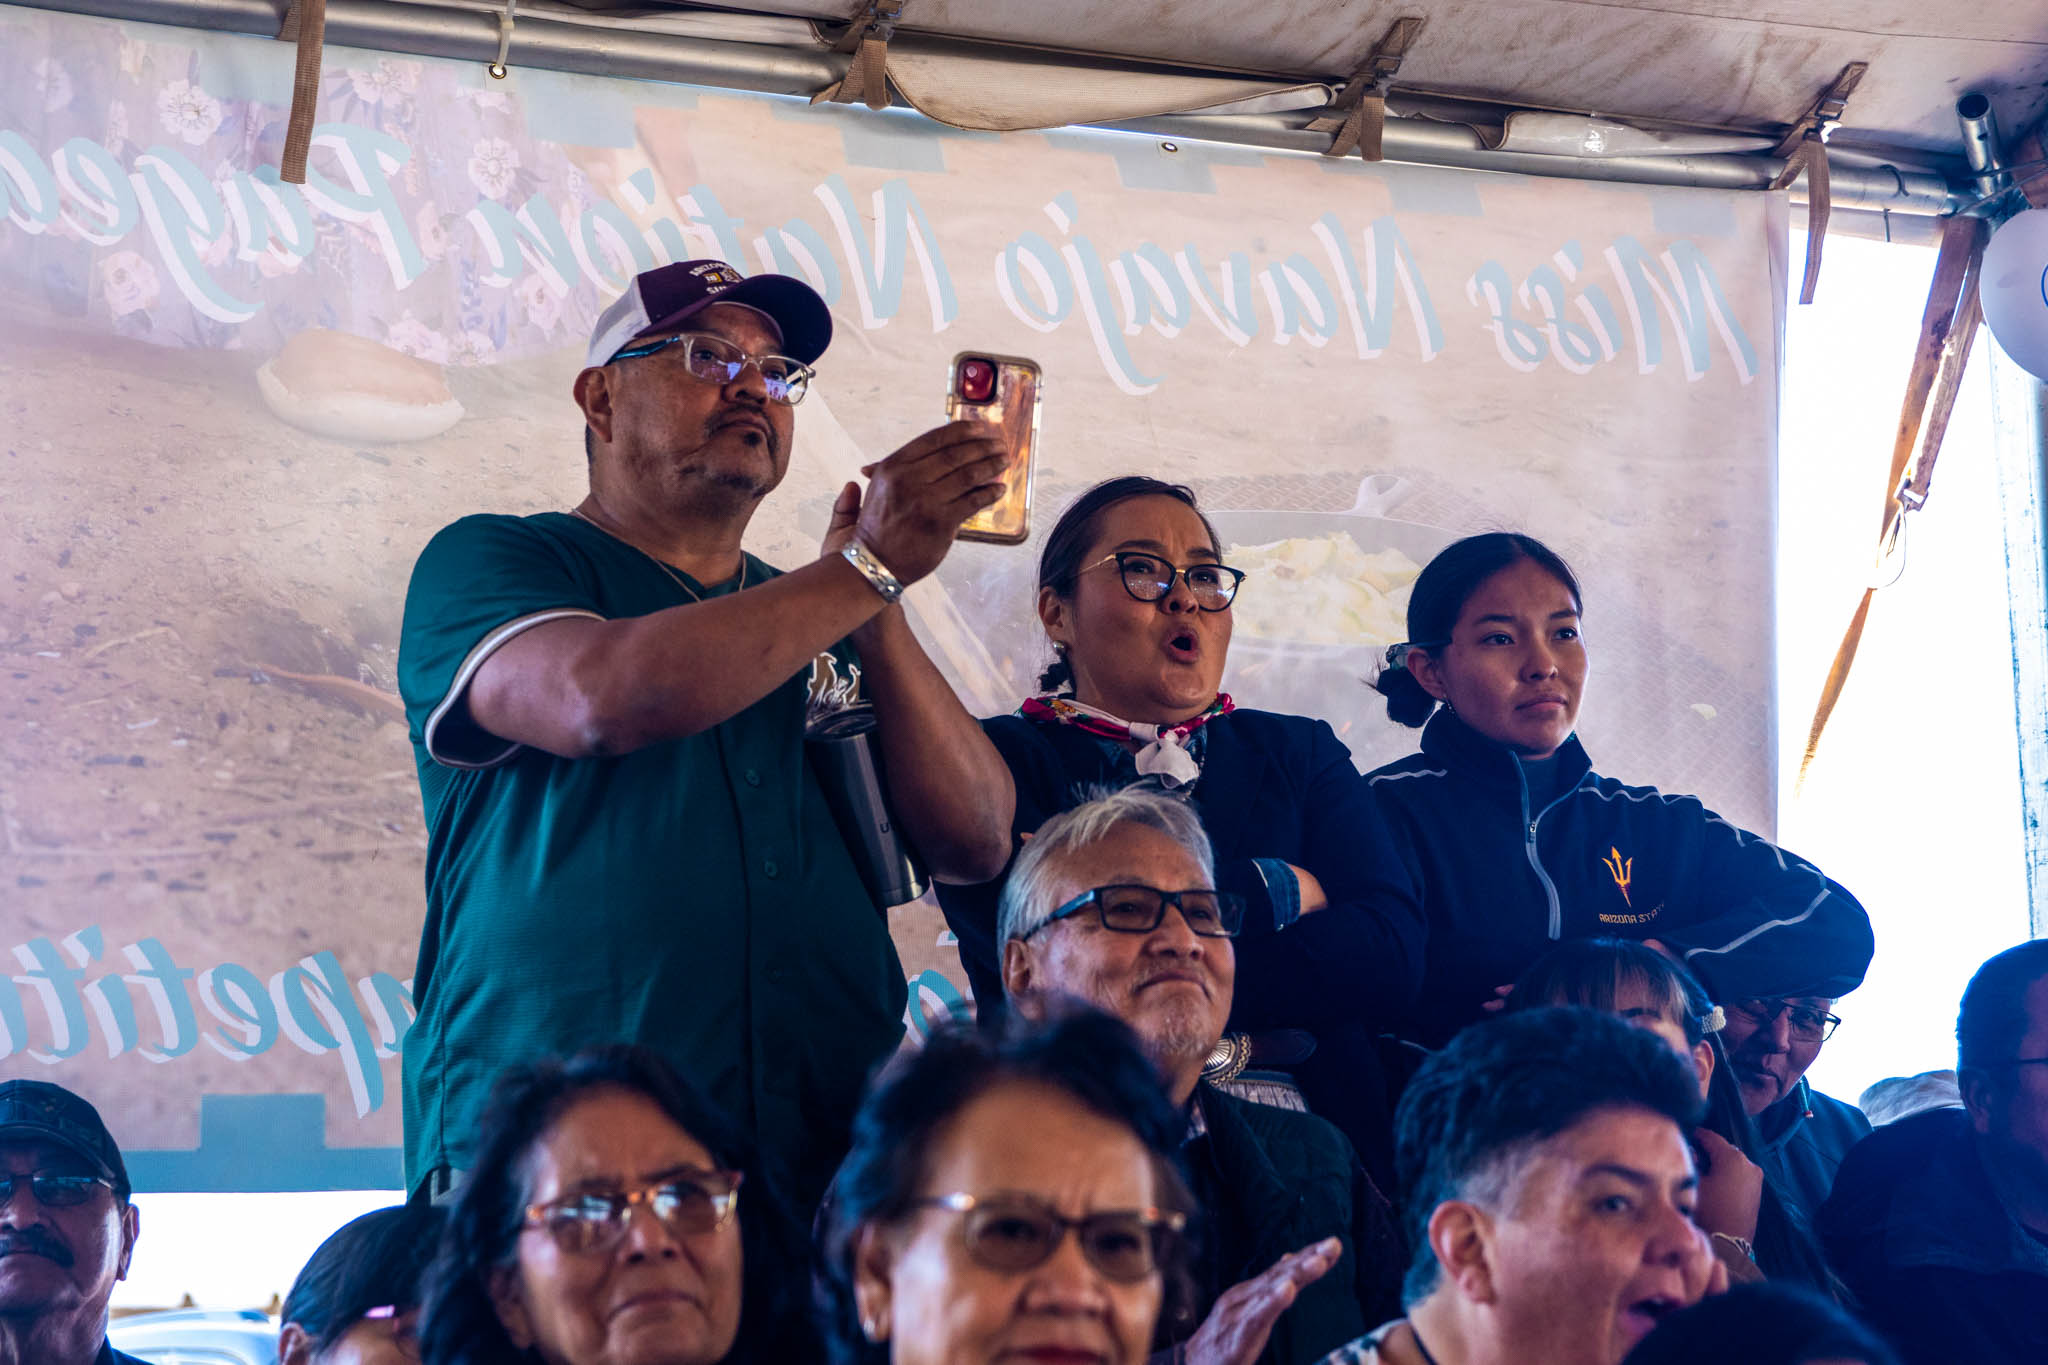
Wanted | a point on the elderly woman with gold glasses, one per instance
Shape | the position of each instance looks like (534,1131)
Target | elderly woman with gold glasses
(613,1217)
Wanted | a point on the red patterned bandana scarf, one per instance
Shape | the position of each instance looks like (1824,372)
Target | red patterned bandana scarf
(1162,748)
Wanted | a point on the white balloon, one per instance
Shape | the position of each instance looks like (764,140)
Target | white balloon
(2014,287)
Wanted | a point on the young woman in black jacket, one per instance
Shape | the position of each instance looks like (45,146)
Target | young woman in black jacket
(1515,843)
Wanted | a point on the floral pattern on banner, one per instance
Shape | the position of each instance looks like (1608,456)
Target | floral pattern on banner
(129,95)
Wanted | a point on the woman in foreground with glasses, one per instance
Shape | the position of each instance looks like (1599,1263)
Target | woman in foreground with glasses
(1009,1199)
(1518,843)
(613,1218)
(1135,600)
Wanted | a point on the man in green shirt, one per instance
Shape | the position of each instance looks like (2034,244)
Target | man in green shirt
(625,838)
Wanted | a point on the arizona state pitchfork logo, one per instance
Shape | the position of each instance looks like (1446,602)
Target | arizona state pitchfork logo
(1622,870)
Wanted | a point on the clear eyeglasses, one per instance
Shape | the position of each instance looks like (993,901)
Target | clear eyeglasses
(715,360)
(691,1203)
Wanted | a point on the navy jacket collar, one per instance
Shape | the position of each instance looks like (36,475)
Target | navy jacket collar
(1448,740)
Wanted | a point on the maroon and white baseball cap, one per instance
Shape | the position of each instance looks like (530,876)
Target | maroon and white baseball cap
(661,299)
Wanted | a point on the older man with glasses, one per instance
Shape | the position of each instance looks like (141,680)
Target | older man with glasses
(626,840)
(1805,1134)
(1112,903)
(67,1229)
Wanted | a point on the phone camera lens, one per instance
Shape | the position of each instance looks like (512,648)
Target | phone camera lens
(977,380)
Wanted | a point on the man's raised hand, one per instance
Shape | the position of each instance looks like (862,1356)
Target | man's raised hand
(917,498)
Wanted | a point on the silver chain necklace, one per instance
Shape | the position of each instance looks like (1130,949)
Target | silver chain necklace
(660,564)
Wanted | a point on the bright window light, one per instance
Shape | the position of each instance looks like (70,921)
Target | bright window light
(1914,801)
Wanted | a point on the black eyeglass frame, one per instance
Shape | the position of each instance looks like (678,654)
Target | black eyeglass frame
(40,1183)
(1175,573)
(1768,1015)
(799,377)
(607,1233)
(1159,1225)
(1230,909)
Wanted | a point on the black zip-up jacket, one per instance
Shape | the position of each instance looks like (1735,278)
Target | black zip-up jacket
(1271,1181)
(1502,878)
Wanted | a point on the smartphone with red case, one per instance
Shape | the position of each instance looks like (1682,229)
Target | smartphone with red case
(1007,392)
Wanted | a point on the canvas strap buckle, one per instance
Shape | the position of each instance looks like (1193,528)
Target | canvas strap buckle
(1358,115)
(1820,122)
(867,76)
(877,22)
(1948,326)
(1805,150)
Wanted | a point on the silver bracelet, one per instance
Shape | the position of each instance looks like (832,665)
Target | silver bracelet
(873,570)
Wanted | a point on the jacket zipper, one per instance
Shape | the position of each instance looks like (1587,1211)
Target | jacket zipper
(1529,823)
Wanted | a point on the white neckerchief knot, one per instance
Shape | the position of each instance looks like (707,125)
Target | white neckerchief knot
(1162,749)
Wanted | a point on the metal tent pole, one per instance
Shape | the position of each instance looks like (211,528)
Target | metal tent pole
(2020,447)
(555,42)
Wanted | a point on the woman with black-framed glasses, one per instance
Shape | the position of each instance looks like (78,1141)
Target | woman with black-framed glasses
(613,1217)
(1135,600)
(1006,1197)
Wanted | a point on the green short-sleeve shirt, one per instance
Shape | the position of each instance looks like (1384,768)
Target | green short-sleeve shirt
(693,895)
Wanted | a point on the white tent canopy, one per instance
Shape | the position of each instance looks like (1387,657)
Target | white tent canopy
(1753,65)
(1674,91)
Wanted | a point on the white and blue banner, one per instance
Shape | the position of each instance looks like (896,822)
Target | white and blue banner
(232,411)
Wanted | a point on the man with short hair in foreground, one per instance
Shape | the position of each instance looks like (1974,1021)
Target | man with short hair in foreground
(1112,903)
(67,1229)
(1771,1043)
(1939,1222)
(1549,1196)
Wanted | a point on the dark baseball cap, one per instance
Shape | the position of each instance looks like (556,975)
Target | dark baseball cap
(37,1109)
(661,299)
